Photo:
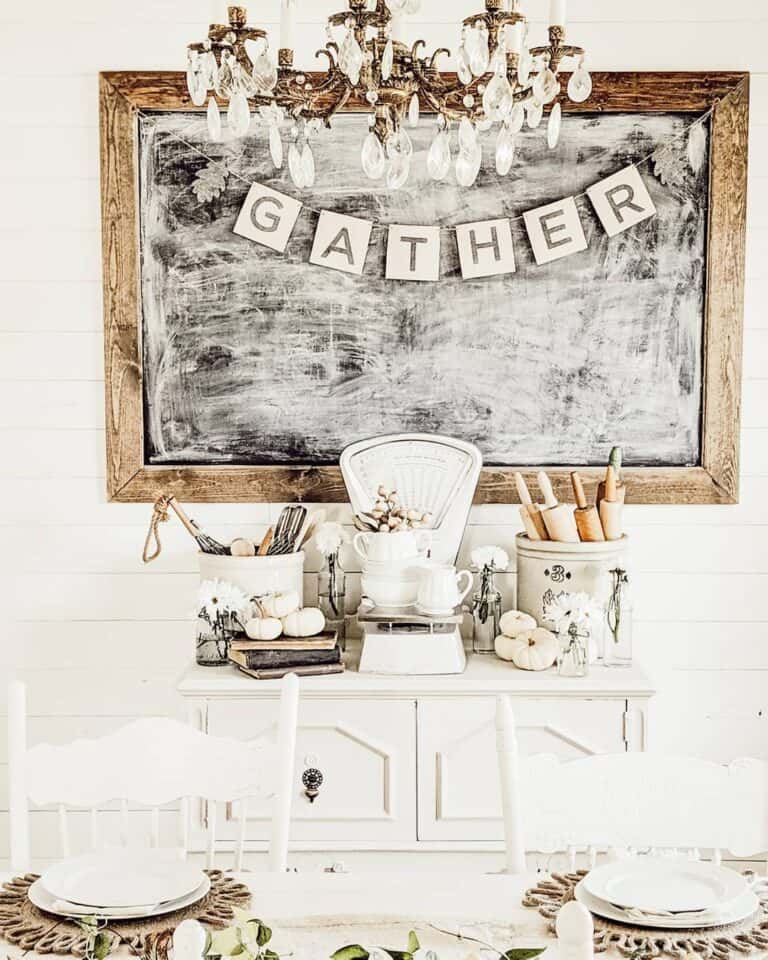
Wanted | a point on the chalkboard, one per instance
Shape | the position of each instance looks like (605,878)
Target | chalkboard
(253,357)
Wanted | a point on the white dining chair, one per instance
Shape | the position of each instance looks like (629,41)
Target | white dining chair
(140,769)
(627,802)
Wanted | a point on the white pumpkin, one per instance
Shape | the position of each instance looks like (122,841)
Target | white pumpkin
(535,649)
(304,623)
(514,622)
(279,604)
(264,628)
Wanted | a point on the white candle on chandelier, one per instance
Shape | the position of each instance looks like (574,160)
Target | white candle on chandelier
(515,37)
(286,24)
(397,27)
(557,13)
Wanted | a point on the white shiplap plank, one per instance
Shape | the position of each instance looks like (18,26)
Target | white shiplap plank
(42,306)
(82,48)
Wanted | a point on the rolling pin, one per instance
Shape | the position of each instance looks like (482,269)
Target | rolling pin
(558,517)
(621,491)
(529,512)
(587,518)
(611,508)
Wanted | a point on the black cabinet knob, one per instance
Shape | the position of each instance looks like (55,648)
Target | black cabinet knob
(312,779)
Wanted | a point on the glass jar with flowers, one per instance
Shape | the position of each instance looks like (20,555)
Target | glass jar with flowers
(331,580)
(223,609)
(486,602)
(574,616)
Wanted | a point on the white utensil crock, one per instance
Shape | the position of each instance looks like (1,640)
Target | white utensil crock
(390,548)
(439,592)
(546,569)
(257,576)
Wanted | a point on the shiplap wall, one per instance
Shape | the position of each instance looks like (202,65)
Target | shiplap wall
(98,635)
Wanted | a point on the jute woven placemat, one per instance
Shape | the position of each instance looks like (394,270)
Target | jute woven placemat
(23,925)
(721,943)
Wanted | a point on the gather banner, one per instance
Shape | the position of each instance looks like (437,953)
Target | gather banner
(485,247)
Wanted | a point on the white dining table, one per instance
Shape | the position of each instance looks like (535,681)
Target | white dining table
(313,914)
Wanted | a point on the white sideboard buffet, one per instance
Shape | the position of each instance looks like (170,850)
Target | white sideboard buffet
(409,763)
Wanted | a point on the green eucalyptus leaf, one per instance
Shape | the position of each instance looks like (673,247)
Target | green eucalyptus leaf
(352,952)
(102,944)
(264,934)
(524,953)
(225,943)
(413,942)
(398,954)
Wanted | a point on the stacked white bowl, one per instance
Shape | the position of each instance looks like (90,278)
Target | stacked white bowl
(391,566)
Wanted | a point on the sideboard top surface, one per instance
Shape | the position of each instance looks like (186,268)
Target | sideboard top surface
(485,675)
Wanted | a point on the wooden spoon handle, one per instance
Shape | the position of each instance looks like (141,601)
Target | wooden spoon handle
(265,543)
(610,484)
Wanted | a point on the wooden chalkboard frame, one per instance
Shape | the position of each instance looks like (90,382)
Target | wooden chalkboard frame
(129,479)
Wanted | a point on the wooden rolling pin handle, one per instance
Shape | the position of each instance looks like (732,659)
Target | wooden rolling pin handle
(545,485)
(530,527)
(537,518)
(522,489)
(578,491)
(610,484)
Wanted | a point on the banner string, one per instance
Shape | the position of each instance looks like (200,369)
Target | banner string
(653,155)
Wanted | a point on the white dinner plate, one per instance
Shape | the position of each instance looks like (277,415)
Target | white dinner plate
(739,909)
(121,878)
(656,885)
(44,900)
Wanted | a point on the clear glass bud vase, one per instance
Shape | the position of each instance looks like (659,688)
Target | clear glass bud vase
(331,596)
(618,622)
(573,659)
(486,614)
(214,637)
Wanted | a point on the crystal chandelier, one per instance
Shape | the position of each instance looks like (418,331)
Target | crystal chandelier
(501,82)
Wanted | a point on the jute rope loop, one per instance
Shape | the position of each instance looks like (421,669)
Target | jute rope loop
(159,515)
(718,943)
(24,926)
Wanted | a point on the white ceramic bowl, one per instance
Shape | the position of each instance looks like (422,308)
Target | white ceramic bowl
(390,590)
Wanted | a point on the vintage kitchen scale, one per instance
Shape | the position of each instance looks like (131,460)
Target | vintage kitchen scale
(437,475)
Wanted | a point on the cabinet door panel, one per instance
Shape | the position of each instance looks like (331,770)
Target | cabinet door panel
(458,780)
(366,753)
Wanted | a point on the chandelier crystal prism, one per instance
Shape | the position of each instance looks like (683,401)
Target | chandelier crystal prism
(500,82)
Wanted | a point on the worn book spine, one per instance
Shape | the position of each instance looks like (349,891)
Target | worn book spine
(321,641)
(273,673)
(258,659)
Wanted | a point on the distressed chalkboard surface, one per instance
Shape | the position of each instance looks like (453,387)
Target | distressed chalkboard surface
(253,357)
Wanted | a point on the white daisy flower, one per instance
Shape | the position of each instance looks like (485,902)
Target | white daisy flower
(489,557)
(329,537)
(218,597)
(568,608)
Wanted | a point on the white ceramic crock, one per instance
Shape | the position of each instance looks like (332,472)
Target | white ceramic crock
(257,576)
(546,569)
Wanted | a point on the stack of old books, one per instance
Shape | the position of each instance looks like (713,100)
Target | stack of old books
(305,656)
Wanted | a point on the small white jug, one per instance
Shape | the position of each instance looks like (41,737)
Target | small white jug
(391,548)
(439,591)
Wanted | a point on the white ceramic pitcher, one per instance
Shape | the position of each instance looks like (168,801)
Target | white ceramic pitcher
(439,591)
(391,548)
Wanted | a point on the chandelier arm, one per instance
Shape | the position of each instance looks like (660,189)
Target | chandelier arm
(436,54)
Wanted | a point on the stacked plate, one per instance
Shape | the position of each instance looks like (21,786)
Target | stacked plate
(119,885)
(667,894)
